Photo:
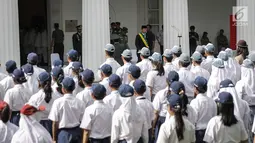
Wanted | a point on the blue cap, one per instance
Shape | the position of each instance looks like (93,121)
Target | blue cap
(87,75)
(209,47)
(247,63)
(223,55)
(196,56)
(109,48)
(77,66)
(56,71)
(145,52)
(135,71)
(28,69)
(184,58)
(175,101)
(156,57)
(200,49)
(126,90)
(139,86)
(10,66)
(177,87)
(106,69)
(114,80)
(68,84)
(251,56)
(98,91)
(32,58)
(219,63)
(18,74)
(225,97)
(200,82)
(176,50)
(173,76)
(73,55)
(168,53)
(43,77)
(226,83)
(57,63)
(229,52)
(127,53)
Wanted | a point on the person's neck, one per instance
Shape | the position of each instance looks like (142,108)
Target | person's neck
(113,89)
(87,85)
(125,62)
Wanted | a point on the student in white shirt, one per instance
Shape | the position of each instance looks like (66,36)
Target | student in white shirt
(197,70)
(177,51)
(225,127)
(233,64)
(145,65)
(45,97)
(32,59)
(205,107)
(186,76)
(109,53)
(209,53)
(177,129)
(66,114)
(57,63)
(77,68)
(156,79)
(129,124)
(167,58)
(96,122)
(160,103)
(7,82)
(145,104)
(87,77)
(201,50)
(7,129)
(72,56)
(106,71)
(17,96)
(218,74)
(114,99)
(32,82)
(30,130)
(122,71)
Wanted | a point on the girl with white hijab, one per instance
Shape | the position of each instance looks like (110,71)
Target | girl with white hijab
(218,74)
(31,131)
(229,70)
(7,129)
(232,63)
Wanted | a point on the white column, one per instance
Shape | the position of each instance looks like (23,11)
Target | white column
(176,22)
(96,32)
(246,30)
(9,32)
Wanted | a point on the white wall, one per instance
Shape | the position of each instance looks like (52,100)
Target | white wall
(210,16)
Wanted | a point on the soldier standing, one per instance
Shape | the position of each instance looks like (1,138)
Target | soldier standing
(57,41)
(193,39)
(77,41)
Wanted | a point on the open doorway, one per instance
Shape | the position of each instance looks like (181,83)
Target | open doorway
(33,30)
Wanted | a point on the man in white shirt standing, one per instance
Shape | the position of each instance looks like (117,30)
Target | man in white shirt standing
(177,51)
(122,71)
(197,70)
(145,65)
(205,107)
(32,59)
(209,53)
(72,56)
(106,71)
(168,57)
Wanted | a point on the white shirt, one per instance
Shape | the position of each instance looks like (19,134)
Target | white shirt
(122,73)
(187,78)
(97,119)
(17,97)
(169,67)
(77,89)
(147,107)
(7,83)
(67,70)
(145,66)
(167,132)
(175,62)
(2,92)
(146,94)
(160,102)
(38,100)
(37,70)
(205,109)
(7,131)
(113,63)
(32,83)
(217,132)
(199,71)
(155,82)
(68,111)
(2,76)
(207,63)
(86,96)
(113,100)
(105,83)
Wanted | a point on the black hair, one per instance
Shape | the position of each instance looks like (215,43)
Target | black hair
(20,80)
(243,51)
(209,52)
(74,59)
(77,74)
(148,25)
(146,57)
(127,59)
(107,74)
(5,114)
(47,90)
(222,30)
(141,92)
(99,97)
(113,23)
(11,70)
(32,63)
(56,25)
(80,82)
(110,54)
(201,89)
(227,114)
(59,80)
(169,59)
(177,54)
(116,86)
(117,23)
(89,81)
(180,126)
(192,27)
(183,64)
(159,68)
(198,62)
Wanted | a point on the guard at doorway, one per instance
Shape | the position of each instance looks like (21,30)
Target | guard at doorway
(77,41)
(57,41)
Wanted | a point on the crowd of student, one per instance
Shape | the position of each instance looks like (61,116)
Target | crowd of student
(169,98)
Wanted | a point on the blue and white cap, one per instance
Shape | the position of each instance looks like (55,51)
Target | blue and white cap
(177,87)
(247,63)
(226,83)
(28,69)
(156,57)
(184,58)
(77,66)
(68,83)
(168,53)
(106,69)
(196,56)
(139,86)
(145,51)
(219,63)
(126,90)
(127,53)
(109,48)
(225,98)
(209,47)
(32,58)
(135,71)
(114,80)
(73,55)
(176,50)
(251,56)
(43,77)
(175,101)
(58,63)
(87,75)
(223,55)
(229,52)
(98,90)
